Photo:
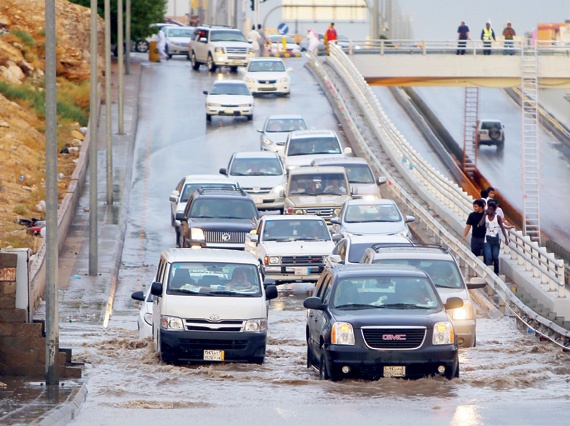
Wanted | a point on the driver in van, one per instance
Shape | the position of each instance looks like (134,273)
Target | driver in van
(239,280)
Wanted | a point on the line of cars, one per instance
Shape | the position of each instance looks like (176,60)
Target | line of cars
(382,306)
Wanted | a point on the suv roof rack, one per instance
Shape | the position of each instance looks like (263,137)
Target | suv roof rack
(217,26)
(220,191)
(380,247)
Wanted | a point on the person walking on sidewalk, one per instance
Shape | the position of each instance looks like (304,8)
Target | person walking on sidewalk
(161,46)
(462,36)
(509,34)
(487,35)
(493,225)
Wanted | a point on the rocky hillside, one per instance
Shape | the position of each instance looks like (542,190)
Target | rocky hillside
(22,120)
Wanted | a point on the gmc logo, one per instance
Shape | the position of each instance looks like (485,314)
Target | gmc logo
(393,337)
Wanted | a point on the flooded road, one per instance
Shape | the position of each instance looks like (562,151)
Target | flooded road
(510,378)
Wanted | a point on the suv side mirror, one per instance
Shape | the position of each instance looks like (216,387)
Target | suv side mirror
(347,151)
(410,219)
(156,289)
(174,196)
(180,216)
(476,282)
(313,303)
(203,40)
(205,92)
(223,171)
(382,180)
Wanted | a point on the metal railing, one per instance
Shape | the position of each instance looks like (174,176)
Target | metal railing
(452,47)
(543,265)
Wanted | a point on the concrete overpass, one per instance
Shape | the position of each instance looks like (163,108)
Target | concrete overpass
(425,63)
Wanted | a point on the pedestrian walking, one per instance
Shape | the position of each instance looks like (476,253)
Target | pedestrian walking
(462,36)
(330,37)
(262,40)
(255,38)
(161,46)
(493,227)
(475,221)
(509,34)
(487,35)
(313,47)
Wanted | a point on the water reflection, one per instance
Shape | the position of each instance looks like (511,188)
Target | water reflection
(466,415)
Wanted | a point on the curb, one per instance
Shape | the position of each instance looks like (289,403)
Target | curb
(66,412)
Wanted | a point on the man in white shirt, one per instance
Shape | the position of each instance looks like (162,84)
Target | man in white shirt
(255,39)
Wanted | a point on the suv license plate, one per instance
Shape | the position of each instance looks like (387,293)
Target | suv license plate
(394,371)
(301,271)
(213,355)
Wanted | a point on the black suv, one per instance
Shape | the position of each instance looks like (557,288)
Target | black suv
(217,218)
(378,321)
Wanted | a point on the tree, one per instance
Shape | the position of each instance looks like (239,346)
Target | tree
(143,14)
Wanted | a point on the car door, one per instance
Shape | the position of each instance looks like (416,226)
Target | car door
(316,318)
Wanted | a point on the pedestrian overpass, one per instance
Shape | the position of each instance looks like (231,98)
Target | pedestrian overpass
(435,63)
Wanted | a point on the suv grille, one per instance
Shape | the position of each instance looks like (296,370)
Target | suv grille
(302,260)
(236,50)
(395,338)
(261,190)
(224,237)
(326,212)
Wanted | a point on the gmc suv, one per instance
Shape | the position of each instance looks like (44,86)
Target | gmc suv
(216,46)
(216,218)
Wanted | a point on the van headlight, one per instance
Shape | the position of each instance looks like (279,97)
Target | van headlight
(250,80)
(255,325)
(197,234)
(272,260)
(463,313)
(342,334)
(278,189)
(443,333)
(171,323)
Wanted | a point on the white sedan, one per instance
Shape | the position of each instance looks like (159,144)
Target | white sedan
(267,75)
(229,97)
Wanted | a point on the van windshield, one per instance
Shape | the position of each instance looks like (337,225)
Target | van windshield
(214,279)
(443,273)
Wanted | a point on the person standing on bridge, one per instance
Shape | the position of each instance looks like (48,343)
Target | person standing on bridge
(487,35)
(493,227)
(330,37)
(509,35)
(476,221)
(462,36)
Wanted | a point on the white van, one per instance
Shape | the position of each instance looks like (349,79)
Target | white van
(210,305)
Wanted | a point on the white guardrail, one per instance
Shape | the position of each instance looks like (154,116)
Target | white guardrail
(449,200)
(450,47)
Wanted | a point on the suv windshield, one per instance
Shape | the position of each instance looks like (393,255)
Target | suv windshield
(443,273)
(208,208)
(296,230)
(214,279)
(313,146)
(372,213)
(318,184)
(256,167)
(227,36)
(384,292)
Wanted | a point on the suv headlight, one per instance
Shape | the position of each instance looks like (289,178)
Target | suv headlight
(255,325)
(463,313)
(219,50)
(342,334)
(278,189)
(250,51)
(197,234)
(171,323)
(443,333)
(272,260)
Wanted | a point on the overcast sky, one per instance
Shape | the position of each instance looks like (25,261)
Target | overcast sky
(439,19)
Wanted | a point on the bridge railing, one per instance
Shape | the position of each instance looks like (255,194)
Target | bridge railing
(475,266)
(425,179)
(453,47)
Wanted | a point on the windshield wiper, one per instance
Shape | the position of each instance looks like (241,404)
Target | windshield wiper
(405,306)
(279,240)
(356,306)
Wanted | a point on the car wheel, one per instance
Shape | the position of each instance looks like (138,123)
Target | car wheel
(208,117)
(141,46)
(233,69)
(325,370)
(500,145)
(309,355)
(453,371)
(177,239)
(211,64)
(257,359)
(195,63)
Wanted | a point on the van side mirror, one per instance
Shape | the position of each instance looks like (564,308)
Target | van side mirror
(223,171)
(156,289)
(335,220)
(138,295)
(410,219)
(347,151)
(271,292)
(382,180)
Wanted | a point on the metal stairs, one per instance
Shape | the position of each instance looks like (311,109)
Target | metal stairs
(470,122)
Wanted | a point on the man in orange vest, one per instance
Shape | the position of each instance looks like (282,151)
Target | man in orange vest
(330,36)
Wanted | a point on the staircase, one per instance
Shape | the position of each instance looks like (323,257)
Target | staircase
(530,143)
(470,121)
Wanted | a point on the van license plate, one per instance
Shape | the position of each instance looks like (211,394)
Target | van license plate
(301,271)
(213,355)
(394,371)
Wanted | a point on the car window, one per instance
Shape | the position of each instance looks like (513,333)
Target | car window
(256,167)
(359,173)
(285,125)
(227,36)
(189,188)
(372,213)
(214,279)
(180,32)
(229,89)
(443,273)
(324,286)
(313,146)
(357,251)
(266,66)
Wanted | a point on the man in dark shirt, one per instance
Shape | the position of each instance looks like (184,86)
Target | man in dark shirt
(462,35)
(478,233)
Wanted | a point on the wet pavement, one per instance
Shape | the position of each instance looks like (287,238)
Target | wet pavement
(25,401)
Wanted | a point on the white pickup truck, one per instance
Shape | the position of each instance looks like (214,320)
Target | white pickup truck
(290,248)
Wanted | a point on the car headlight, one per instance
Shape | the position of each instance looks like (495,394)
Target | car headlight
(267,141)
(283,80)
(212,105)
(336,212)
(342,334)
(463,313)
(255,325)
(272,260)
(299,211)
(171,323)
(278,189)
(197,234)
(250,80)
(443,333)
(404,233)
(246,105)
(219,50)
(148,318)
(370,197)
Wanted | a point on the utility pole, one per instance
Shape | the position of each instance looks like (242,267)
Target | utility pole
(108,104)
(128,38)
(121,64)
(93,258)
(52,312)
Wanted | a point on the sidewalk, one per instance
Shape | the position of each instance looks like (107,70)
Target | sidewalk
(23,401)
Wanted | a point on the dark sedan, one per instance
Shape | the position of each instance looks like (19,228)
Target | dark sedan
(379,321)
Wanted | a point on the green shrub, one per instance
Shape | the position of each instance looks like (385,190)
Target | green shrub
(25,37)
